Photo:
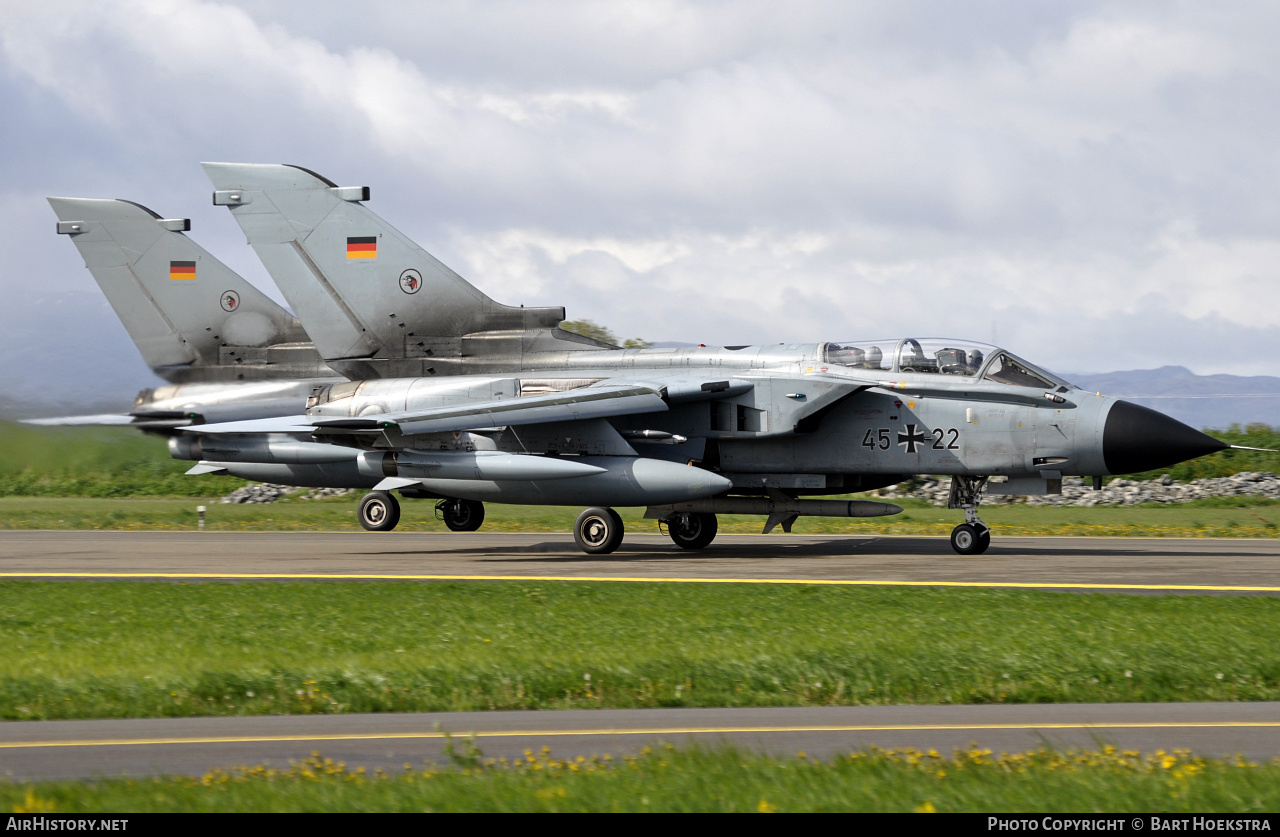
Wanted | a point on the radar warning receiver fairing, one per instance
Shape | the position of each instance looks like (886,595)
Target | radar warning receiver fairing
(501,410)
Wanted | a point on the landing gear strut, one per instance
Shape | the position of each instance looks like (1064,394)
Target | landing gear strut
(973,536)
(692,530)
(460,515)
(379,511)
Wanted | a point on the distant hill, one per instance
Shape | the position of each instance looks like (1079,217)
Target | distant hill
(1202,401)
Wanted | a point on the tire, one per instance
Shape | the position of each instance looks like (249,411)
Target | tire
(598,531)
(966,539)
(461,515)
(692,531)
(379,511)
(984,542)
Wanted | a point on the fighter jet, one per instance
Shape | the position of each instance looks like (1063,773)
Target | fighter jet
(500,408)
(226,349)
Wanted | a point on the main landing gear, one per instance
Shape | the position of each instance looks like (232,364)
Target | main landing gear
(598,531)
(379,511)
(692,530)
(460,515)
(973,536)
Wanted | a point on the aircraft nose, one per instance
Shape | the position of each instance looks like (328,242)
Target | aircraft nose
(1136,439)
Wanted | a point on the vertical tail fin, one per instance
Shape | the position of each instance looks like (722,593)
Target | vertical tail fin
(363,289)
(192,318)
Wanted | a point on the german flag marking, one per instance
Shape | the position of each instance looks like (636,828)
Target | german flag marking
(182,270)
(362,247)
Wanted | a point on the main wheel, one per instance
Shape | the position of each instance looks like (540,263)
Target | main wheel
(598,531)
(692,531)
(967,539)
(461,515)
(379,511)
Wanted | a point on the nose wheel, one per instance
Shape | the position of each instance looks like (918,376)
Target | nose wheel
(972,537)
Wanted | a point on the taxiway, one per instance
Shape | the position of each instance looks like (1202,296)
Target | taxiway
(85,749)
(1136,565)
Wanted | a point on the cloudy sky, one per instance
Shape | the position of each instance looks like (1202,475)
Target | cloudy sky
(1094,185)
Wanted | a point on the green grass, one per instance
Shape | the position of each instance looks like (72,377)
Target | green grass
(1218,518)
(95,462)
(129,649)
(669,779)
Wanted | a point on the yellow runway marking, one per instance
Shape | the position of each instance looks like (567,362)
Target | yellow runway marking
(655,580)
(260,739)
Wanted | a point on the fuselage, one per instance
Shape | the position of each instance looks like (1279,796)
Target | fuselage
(806,418)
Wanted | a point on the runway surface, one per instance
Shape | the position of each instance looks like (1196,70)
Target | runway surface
(85,749)
(1139,565)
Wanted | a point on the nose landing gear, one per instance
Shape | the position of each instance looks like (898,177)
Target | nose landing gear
(972,537)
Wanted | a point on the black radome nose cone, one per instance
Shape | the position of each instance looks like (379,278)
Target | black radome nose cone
(1137,439)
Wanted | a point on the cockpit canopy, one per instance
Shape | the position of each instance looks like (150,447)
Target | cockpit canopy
(942,356)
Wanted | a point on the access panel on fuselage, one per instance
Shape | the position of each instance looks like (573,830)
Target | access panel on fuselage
(1002,438)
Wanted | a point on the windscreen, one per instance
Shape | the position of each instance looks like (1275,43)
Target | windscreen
(1006,369)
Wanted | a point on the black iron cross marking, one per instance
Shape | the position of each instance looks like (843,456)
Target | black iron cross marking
(911,438)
